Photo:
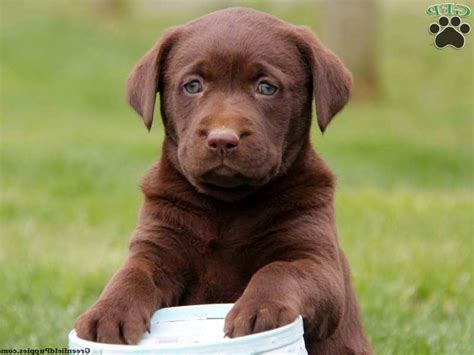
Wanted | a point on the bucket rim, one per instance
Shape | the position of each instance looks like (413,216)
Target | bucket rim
(264,341)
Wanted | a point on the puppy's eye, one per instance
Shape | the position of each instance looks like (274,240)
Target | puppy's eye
(267,89)
(193,87)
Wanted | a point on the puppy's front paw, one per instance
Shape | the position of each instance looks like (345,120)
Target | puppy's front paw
(112,322)
(254,316)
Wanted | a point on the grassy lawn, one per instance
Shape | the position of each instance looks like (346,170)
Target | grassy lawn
(73,154)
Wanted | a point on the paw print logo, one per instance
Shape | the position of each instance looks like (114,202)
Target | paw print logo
(449,32)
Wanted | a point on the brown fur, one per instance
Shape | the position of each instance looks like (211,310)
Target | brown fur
(255,227)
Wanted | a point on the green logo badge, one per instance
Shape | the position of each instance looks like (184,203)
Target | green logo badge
(450,27)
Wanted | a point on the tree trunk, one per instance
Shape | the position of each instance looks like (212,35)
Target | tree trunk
(351,34)
(108,7)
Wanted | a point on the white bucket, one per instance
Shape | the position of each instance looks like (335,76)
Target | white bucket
(199,329)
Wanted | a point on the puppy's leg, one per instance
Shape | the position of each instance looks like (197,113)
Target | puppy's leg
(282,290)
(150,278)
(122,313)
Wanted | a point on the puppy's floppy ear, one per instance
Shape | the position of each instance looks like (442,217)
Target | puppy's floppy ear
(332,81)
(143,82)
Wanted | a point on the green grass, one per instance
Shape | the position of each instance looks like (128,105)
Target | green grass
(72,156)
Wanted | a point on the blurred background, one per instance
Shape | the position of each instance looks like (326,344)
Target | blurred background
(73,154)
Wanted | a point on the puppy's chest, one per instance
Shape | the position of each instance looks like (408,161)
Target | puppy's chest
(222,269)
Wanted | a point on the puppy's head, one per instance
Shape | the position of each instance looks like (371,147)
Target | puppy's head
(236,92)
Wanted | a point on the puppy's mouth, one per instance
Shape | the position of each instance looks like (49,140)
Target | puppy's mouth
(224,177)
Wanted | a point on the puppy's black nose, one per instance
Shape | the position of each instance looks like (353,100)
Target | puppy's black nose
(222,141)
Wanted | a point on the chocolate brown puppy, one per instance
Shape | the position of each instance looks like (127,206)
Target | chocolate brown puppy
(239,208)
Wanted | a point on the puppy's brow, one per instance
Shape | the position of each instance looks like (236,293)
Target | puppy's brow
(261,69)
(200,68)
